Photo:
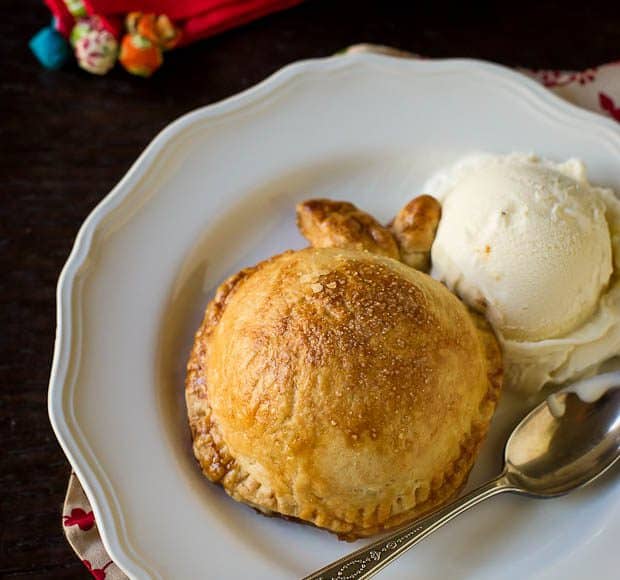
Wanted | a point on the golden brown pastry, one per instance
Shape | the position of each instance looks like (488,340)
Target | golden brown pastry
(414,228)
(340,224)
(341,388)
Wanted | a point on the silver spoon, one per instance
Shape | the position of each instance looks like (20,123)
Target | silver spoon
(561,445)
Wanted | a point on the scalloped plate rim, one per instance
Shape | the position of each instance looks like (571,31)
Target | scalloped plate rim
(103,501)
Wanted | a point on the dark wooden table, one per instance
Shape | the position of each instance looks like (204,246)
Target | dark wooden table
(67,137)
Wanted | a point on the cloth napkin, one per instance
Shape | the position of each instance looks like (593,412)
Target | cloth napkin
(597,89)
(195,18)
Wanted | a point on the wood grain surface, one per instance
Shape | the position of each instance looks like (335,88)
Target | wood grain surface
(67,137)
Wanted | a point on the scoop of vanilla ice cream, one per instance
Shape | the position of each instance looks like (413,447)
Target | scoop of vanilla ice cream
(529,242)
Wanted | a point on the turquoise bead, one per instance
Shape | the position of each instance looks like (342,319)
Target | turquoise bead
(50,48)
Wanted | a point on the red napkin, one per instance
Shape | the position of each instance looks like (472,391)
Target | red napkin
(195,18)
(63,19)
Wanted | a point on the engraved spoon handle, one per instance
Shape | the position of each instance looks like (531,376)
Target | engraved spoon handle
(368,561)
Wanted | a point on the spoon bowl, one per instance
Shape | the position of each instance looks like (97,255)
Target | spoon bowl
(549,455)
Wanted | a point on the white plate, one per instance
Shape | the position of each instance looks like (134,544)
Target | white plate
(214,192)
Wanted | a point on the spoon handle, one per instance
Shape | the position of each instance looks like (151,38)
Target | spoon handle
(368,561)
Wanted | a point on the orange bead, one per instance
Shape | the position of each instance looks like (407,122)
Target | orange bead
(139,56)
(168,35)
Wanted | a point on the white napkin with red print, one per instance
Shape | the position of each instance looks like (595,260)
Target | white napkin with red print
(597,89)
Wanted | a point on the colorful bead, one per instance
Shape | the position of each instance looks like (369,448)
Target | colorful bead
(50,48)
(76,8)
(156,28)
(147,36)
(139,55)
(168,34)
(95,47)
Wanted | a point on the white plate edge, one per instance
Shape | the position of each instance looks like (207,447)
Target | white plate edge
(66,355)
